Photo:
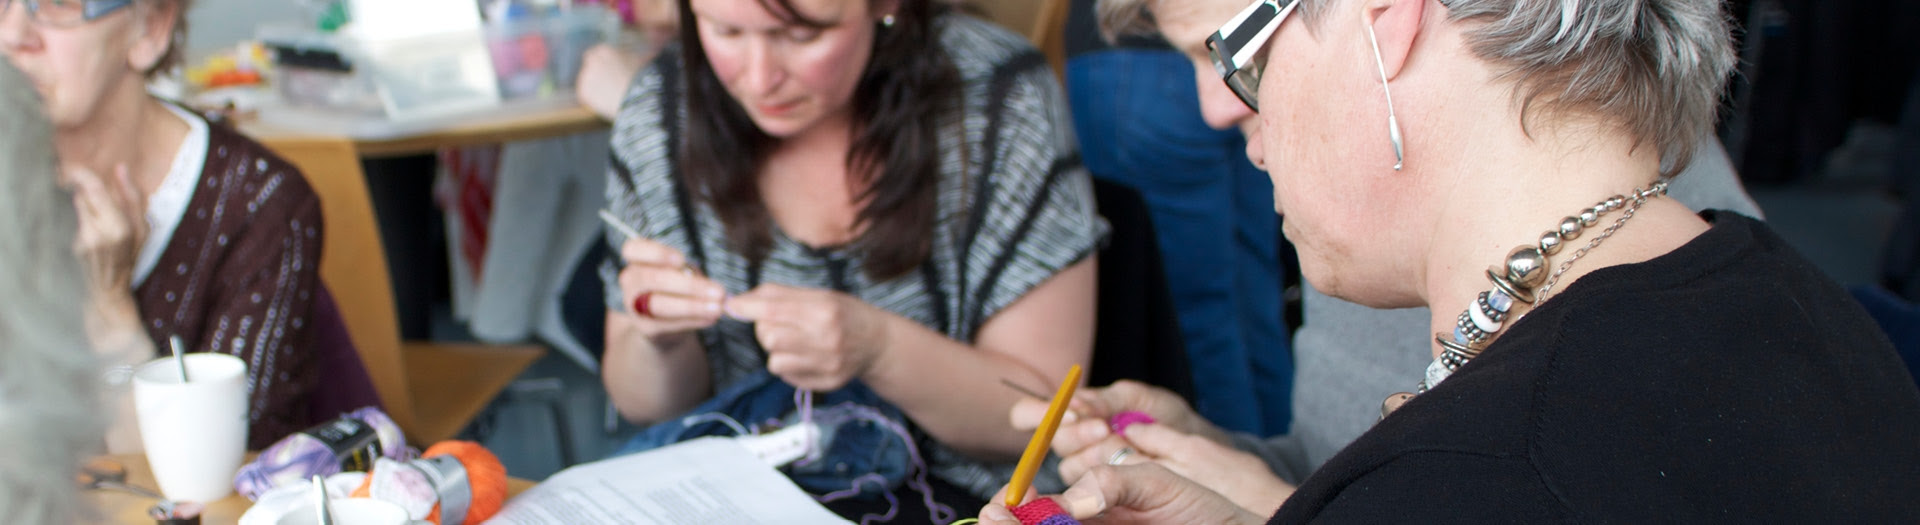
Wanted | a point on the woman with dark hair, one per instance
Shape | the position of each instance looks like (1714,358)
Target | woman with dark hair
(875,199)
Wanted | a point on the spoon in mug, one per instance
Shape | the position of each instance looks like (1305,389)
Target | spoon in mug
(324,514)
(179,355)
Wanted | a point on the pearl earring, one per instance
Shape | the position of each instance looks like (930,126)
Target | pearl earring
(886,21)
(1393,124)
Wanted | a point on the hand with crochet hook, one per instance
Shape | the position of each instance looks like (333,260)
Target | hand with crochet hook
(668,298)
(815,339)
(1205,454)
(1145,493)
(1088,432)
(1162,405)
(655,365)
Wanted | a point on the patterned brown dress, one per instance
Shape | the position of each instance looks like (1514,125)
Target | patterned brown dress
(238,276)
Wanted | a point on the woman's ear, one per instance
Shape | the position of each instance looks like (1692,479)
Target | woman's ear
(155,37)
(1396,25)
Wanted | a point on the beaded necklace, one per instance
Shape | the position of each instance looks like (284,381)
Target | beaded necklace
(1517,280)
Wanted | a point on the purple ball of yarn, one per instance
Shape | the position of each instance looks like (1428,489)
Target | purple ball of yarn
(393,442)
(323,450)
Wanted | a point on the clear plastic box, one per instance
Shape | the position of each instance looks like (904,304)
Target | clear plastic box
(323,80)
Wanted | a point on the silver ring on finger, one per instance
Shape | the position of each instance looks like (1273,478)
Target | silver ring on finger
(1119,455)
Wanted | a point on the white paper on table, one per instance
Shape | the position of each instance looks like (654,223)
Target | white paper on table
(707,480)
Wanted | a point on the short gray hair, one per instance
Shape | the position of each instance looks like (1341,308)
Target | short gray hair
(49,418)
(1653,67)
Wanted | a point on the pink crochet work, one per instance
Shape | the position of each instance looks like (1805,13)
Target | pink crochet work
(1121,421)
(1042,511)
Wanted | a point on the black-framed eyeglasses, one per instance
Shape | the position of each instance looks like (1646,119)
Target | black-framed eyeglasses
(66,13)
(1236,47)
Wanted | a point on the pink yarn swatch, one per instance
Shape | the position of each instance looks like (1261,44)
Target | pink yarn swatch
(1042,511)
(1119,422)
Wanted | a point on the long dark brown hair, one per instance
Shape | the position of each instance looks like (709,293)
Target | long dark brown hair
(895,153)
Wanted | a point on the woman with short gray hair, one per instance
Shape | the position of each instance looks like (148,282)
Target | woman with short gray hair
(1601,353)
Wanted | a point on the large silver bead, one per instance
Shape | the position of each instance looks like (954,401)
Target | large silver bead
(1570,228)
(1527,267)
(1587,218)
(1616,201)
(1550,243)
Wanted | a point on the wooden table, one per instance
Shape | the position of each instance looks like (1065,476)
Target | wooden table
(540,124)
(430,390)
(120,507)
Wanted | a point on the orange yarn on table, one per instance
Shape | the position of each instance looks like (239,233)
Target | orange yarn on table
(485,475)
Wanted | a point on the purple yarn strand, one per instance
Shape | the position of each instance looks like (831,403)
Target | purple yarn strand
(854,489)
(938,512)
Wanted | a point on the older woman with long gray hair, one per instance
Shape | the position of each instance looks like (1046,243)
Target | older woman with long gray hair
(1601,353)
(49,382)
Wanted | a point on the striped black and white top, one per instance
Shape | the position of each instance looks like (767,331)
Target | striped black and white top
(1015,208)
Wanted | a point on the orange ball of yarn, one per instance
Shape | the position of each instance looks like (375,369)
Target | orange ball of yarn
(485,475)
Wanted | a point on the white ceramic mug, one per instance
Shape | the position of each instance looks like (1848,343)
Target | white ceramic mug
(195,433)
(350,511)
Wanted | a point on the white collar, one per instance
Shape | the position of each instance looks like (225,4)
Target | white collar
(167,206)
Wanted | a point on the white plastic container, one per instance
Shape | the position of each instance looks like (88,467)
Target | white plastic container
(340,84)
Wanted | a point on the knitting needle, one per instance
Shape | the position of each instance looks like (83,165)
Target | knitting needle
(1021,389)
(1029,393)
(1042,437)
(614,222)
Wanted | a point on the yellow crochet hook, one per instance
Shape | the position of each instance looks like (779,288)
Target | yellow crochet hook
(1042,438)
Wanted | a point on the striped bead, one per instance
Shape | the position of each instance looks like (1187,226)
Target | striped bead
(1499,300)
(1486,307)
